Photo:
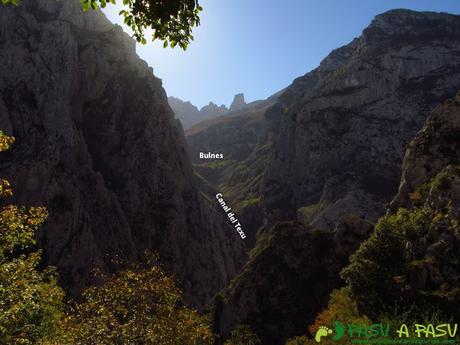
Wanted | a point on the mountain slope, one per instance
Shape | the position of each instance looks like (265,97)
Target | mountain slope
(338,136)
(343,127)
(97,143)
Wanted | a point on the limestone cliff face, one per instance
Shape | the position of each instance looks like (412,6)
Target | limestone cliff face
(98,145)
(341,130)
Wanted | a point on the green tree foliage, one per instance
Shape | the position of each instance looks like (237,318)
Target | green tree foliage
(171,21)
(374,268)
(411,261)
(10,2)
(136,306)
(30,299)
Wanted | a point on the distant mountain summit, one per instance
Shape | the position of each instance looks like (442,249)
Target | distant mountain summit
(190,115)
(213,110)
(238,102)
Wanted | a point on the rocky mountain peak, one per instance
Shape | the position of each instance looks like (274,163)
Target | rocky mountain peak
(238,102)
(189,115)
(213,110)
(400,22)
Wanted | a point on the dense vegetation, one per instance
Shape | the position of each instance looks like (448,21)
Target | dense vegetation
(411,261)
(140,305)
(409,268)
(30,299)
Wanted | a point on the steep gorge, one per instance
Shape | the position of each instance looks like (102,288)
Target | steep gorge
(311,167)
(241,136)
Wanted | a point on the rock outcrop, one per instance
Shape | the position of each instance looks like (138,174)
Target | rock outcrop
(98,145)
(189,115)
(434,148)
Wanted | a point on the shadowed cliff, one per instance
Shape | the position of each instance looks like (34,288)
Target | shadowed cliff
(97,144)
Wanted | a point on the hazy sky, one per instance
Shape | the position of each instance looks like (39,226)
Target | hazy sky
(259,46)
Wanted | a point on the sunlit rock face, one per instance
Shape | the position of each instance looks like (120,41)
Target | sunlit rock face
(98,145)
(341,130)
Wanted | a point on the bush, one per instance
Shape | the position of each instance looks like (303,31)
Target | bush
(340,308)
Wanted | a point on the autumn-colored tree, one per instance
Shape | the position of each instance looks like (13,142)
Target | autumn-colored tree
(340,308)
(136,306)
(30,299)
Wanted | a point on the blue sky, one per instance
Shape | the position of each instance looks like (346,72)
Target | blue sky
(259,46)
